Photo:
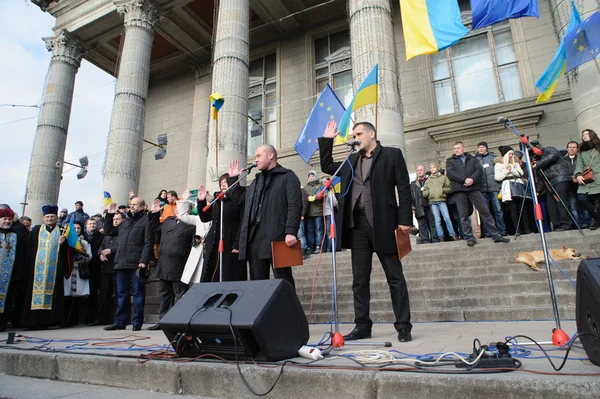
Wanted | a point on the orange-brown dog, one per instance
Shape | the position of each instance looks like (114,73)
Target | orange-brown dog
(531,258)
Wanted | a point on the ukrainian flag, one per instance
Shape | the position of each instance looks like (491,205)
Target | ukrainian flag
(72,238)
(430,25)
(366,94)
(547,82)
(216,102)
(107,199)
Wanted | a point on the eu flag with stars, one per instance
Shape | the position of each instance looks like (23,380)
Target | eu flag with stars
(488,12)
(583,43)
(327,108)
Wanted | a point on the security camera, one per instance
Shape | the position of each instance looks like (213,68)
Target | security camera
(58,164)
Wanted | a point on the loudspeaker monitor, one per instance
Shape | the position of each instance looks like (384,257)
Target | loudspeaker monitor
(266,317)
(588,307)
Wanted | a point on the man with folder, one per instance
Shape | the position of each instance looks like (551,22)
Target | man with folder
(368,218)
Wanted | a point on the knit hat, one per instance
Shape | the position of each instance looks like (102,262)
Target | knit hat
(504,149)
(65,210)
(7,213)
(518,154)
(312,172)
(483,143)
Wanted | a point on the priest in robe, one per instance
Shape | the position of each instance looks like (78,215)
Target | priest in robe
(45,273)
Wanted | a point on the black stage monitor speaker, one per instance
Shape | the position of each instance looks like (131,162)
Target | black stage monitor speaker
(588,307)
(266,317)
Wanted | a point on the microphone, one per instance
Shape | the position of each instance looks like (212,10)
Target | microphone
(353,143)
(503,120)
(249,167)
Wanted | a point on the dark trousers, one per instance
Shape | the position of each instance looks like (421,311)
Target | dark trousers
(590,204)
(108,282)
(558,213)
(92,303)
(125,278)
(427,232)
(462,199)
(170,292)
(72,309)
(362,242)
(259,268)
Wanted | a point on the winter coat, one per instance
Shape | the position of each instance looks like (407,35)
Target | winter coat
(554,166)
(95,241)
(192,271)
(76,216)
(315,206)
(304,202)
(109,242)
(488,183)
(419,203)
(571,162)
(73,284)
(437,188)
(388,176)
(280,210)
(457,173)
(174,248)
(505,176)
(134,240)
(583,161)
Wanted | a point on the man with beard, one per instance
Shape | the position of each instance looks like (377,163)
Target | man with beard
(12,257)
(45,272)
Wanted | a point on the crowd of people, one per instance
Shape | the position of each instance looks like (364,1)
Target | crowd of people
(497,186)
(46,280)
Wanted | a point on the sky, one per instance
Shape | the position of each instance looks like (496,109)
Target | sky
(23,70)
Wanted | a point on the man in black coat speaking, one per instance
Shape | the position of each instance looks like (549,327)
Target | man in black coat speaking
(272,211)
(368,218)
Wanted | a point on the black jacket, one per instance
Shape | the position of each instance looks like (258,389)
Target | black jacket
(554,166)
(388,176)
(110,242)
(134,240)
(174,248)
(280,211)
(418,202)
(95,242)
(458,173)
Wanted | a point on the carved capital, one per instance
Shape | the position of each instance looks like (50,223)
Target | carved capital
(138,13)
(65,48)
(202,73)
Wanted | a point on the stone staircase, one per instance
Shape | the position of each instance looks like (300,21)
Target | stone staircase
(447,282)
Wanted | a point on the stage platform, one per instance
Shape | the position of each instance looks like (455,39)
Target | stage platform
(110,358)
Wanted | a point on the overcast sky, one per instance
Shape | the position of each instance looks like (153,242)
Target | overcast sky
(23,70)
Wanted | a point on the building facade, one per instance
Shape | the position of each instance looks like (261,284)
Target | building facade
(271,58)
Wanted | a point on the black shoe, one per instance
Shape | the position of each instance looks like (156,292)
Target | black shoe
(94,323)
(595,224)
(404,335)
(358,333)
(114,327)
(155,327)
(471,242)
(136,328)
(502,239)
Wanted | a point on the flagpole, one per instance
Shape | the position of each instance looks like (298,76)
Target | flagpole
(377,105)
(217,143)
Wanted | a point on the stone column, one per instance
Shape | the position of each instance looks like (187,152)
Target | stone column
(585,83)
(372,42)
(124,150)
(45,170)
(230,78)
(200,124)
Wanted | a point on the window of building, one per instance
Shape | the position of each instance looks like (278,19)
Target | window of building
(262,103)
(482,69)
(333,64)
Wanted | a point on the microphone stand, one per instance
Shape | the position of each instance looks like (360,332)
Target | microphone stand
(559,337)
(219,197)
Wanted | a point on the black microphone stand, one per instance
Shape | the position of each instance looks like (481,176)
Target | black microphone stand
(559,337)
(219,197)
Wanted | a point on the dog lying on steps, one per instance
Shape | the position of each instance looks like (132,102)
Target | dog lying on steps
(531,258)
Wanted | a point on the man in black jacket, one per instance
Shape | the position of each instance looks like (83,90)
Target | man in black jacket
(135,251)
(272,212)
(489,186)
(368,218)
(421,209)
(465,174)
(94,238)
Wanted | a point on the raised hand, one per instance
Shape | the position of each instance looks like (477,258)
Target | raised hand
(112,208)
(202,193)
(156,206)
(186,195)
(234,168)
(131,193)
(331,130)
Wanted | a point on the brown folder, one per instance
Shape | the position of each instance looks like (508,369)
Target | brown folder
(284,256)
(403,243)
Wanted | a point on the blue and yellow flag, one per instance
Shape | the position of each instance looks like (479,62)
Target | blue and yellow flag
(430,25)
(488,12)
(549,79)
(582,44)
(367,94)
(107,199)
(335,185)
(327,108)
(216,102)
(72,238)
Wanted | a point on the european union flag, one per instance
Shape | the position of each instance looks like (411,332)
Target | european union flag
(583,43)
(488,12)
(327,108)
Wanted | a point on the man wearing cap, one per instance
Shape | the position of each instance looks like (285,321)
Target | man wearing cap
(78,216)
(45,272)
(489,185)
(12,257)
(62,216)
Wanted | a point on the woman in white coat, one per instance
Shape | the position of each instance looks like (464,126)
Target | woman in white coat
(192,271)
(75,287)
(507,171)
